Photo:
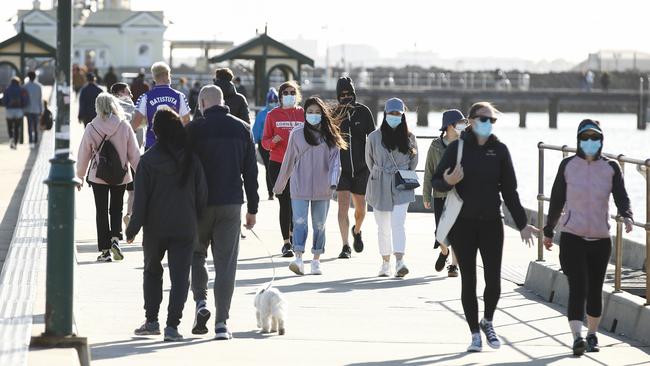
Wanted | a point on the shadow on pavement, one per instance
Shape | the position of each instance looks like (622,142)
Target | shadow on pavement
(360,283)
(415,361)
(138,346)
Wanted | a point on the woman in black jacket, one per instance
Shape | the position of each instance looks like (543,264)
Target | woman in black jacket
(485,171)
(170,194)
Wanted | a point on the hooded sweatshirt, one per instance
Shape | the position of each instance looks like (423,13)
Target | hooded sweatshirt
(580,195)
(356,125)
(260,117)
(235,101)
(280,122)
(161,205)
(120,134)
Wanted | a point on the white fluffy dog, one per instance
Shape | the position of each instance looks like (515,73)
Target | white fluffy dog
(271,310)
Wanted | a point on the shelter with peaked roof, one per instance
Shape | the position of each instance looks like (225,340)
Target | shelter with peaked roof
(269,55)
(17,50)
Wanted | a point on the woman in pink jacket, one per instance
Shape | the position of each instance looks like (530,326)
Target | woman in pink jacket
(312,162)
(109,125)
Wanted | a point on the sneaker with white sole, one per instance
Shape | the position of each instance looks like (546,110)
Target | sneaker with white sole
(105,256)
(401,269)
(172,335)
(148,328)
(221,332)
(490,334)
(201,319)
(117,251)
(315,267)
(297,266)
(385,269)
(477,343)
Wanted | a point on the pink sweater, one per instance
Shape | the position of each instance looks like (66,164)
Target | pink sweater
(120,135)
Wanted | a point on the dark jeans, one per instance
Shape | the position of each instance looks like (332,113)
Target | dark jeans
(286,215)
(265,158)
(105,194)
(584,263)
(32,126)
(15,127)
(470,236)
(219,227)
(179,260)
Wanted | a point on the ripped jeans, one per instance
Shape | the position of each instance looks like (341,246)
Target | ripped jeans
(300,229)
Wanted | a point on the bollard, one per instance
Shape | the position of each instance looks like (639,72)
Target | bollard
(553,107)
(423,113)
(522,117)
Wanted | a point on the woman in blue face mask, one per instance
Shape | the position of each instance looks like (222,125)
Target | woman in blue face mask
(484,176)
(580,204)
(390,148)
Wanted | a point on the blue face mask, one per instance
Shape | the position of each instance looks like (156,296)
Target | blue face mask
(313,118)
(483,129)
(591,147)
(288,100)
(273,105)
(393,121)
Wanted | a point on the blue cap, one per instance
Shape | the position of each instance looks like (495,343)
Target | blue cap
(394,105)
(450,117)
(271,96)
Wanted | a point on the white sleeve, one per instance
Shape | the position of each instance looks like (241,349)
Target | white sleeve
(141,105)
(184,108)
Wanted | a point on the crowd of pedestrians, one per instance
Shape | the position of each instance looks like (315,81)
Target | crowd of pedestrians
(189,186)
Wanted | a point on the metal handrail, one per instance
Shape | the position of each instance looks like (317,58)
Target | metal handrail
(622,159)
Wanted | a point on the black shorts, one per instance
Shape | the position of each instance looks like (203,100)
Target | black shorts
(356,185)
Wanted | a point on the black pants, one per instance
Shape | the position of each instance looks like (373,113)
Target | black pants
(470,236)
(32,126)
(265,158)
(584,263)
(15,126)
(438,205)
(179,259)
(105,194)
(286,215)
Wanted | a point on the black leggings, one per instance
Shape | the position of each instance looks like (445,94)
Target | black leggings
(584,263)
(102,200)
(286,215)
(438,206)
(486,236)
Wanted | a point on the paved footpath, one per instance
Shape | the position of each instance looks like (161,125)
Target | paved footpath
(347,316)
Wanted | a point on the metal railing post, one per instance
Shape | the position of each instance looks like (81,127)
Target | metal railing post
(540,205)
(647,231)
(619,243)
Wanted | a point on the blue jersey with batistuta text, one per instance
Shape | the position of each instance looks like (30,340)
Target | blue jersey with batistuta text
(159,97)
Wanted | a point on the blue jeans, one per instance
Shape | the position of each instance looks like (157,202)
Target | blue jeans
(318,216)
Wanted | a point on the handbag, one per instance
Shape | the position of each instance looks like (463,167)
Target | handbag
(453,205)
(405,180)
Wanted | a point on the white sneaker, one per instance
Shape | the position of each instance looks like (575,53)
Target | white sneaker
(315,267)
(297,267)
(400,269)
(477,344)
(385,269)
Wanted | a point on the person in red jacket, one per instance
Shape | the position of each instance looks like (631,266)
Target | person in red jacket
(279,124)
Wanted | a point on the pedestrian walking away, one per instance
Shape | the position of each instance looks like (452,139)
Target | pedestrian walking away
(159,96)
(313,163)
(34,108)
(14,99)
(279,124)
(87,96)
(258,131)
(139,86)
(453,124)
(225,146)
(580,205)
(234,100)
(110,78)
(485,171)
(171,192)
(389,150)
(108,131)
(356,123)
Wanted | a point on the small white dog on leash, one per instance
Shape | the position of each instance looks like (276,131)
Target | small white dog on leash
(271,310)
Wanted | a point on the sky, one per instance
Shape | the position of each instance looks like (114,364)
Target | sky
(533,30)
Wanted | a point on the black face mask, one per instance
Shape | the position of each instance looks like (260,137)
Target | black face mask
(346,100)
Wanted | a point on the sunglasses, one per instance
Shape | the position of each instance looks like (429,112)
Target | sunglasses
(485,119)
(590,137)
(285,92)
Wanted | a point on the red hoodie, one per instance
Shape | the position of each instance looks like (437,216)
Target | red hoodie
(280,122)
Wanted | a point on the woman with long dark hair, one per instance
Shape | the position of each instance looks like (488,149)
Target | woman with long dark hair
(582,188)
(279,124)
(485,171)
(391,148)
(170,194)
(312,161)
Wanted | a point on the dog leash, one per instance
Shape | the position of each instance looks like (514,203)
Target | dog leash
(270,257)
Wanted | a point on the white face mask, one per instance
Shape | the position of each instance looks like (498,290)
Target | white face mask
(460,127)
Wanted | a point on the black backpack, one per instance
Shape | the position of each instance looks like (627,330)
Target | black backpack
(46,119)
(108,163)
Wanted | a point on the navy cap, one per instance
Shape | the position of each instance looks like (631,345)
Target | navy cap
(450,117)
(394,105)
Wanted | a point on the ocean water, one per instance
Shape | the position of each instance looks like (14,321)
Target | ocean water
(620,137)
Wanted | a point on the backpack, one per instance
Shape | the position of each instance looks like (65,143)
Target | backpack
(107,162)
(46,120)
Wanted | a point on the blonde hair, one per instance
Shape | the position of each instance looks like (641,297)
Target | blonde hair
(107,105)
(160,69)
(480,105)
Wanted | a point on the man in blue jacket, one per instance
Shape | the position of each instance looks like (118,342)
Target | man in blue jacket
(224,144)
(87,97)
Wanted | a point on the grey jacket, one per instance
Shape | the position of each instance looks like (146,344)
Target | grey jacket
(35,92)
(381,193)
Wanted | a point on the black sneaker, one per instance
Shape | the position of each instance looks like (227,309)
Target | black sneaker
(200,320)
(148,328)
(579,346)
(172,335)
(358,242)
(287,250)
(346,252)
(452,270)
(592,343)
(490,334)
(105,256)
(442,260)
